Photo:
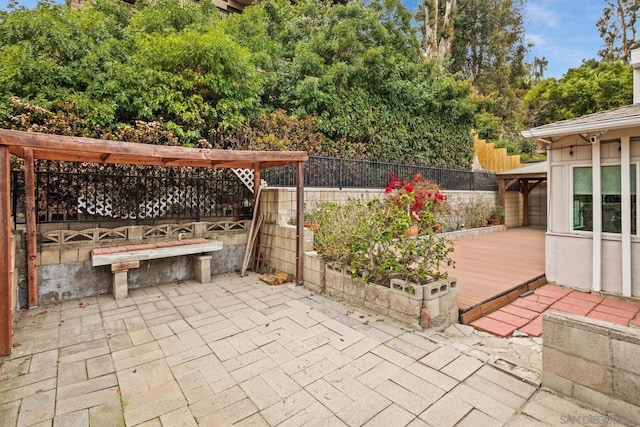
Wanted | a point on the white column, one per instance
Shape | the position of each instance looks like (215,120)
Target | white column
(597,217)
(625,177)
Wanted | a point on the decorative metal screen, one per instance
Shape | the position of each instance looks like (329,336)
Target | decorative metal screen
(81,192)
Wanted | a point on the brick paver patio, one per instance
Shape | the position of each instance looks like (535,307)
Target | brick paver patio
(238,352)
(525,314)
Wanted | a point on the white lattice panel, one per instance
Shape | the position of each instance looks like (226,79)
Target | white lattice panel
(246,176)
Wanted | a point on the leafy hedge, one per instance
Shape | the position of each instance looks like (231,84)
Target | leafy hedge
(344,79)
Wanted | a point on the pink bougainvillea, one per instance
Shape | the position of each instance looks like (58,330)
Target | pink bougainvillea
(419,196)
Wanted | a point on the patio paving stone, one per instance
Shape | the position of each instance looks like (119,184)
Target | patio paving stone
(238,352)
(532,329)
(615,311)
(530,305)
(520,312)
(495,327)
(553,290)
(586,296)
(624,305)
(570,308)
(525,313)
(624,321)
(505,317)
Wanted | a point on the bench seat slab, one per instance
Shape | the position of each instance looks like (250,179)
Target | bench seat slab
(155,253)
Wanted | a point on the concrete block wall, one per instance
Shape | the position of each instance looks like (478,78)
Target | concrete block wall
(278,246)
(278,234)
(65,271)
(422,306)
(314,272)
(279,204)
(593,361)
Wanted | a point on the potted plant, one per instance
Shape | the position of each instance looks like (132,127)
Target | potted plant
(497,216)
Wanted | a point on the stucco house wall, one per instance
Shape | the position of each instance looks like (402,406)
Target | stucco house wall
(569,252)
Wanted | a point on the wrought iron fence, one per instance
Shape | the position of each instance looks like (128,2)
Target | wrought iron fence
(67,192)
(73,192)
(348,173)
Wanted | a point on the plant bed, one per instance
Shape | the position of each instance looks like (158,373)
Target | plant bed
(385,255)
(431,304)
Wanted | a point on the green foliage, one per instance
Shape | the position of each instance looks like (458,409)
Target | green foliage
(276,131)
(348,77)
(169,63)
(506,135)
(489,49)
(358,68)
(497,213)
(489,45)
(369,239)
(592,87)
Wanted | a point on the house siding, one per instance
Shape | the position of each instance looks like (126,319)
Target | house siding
(569,256)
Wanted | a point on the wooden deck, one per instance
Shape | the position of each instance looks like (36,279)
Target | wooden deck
(490,265)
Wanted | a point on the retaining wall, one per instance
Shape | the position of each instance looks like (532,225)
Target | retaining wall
(280,202)
(278,235)
(593,361)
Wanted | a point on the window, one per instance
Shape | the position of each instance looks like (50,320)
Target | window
(611,199)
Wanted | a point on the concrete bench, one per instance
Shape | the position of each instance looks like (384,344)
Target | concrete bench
(124,258)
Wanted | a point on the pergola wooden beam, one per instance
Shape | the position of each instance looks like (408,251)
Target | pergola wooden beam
(38,146)
(78,149)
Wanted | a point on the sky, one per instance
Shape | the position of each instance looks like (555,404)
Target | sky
(563,31)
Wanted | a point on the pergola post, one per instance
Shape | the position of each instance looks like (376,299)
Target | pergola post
(300,223)
(30,201)
(501,190)
(5,252)
(524,187)
(256,184)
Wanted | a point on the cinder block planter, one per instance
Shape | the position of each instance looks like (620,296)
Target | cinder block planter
(433,304)
(353,289)
(314,272)
(376,298)
(334,282)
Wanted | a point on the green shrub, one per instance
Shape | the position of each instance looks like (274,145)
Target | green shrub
(369,239)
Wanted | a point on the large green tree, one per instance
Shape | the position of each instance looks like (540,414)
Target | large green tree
(349,72)
(489,48)
(592,87)
(489,44)
(358,68)
(167,62)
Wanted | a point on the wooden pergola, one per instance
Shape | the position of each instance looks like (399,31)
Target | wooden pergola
(37,146)
(527,177)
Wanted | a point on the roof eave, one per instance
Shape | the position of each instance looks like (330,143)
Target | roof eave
(577,128)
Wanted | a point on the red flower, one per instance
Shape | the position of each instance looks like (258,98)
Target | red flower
(408,188)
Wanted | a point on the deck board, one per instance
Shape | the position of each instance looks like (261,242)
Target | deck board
(493,263)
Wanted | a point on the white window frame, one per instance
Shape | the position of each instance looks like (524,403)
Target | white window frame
(636,236)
